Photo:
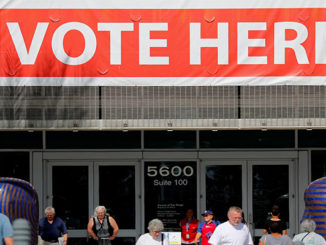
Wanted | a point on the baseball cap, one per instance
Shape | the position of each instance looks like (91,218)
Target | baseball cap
(207,212)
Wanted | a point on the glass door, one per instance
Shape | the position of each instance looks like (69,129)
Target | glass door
(75,188)
(224,186)
(270,183)
(69,192)
(253,185)
(116,186)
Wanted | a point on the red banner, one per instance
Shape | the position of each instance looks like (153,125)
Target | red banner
(163,43)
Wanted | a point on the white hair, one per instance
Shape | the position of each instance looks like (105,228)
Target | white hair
(308,225)
(155,224)
(98,208)
(235,209)
(49,210)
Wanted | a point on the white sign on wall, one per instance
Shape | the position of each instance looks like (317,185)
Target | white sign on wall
(174,237)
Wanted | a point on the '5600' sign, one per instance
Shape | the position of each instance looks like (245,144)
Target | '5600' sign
(165,171)
(169,175)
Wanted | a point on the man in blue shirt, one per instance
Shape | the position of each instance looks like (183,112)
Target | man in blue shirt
(51,228)
(5,230)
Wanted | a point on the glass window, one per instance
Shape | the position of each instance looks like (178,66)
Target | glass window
(223,189)
(312,138)
(93,140)
(247,139)
(170,188)
(70,195)
(270,186)
(15,164)
(170,140)
(21,140)
(117,193)
(318,164)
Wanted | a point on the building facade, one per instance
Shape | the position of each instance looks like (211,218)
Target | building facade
(152,107)
(140,175)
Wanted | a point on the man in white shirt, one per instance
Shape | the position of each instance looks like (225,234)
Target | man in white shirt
(233,231)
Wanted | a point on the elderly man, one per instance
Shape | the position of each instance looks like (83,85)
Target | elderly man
(5,230)
(233,231)
(51,228)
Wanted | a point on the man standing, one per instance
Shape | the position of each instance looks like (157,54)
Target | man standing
(5,230)
(51,228)
(206,228)
(233,231)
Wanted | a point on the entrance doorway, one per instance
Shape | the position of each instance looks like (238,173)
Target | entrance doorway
(254,185)
(138,188)
(75,188)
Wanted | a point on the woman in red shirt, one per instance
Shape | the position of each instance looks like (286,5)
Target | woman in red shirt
(189,226)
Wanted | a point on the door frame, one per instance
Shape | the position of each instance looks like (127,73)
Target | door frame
(48,199)
(93,185)
(40,160)
(122,232)
(223,162)
(292,211)
(245,159)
